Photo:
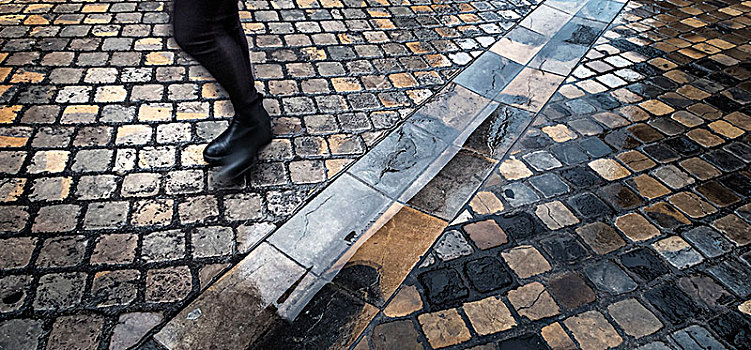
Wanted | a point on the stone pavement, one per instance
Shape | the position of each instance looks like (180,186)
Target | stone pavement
(620,219)
(614,214)
(110,221)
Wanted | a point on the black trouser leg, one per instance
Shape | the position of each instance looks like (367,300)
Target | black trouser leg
(210,32)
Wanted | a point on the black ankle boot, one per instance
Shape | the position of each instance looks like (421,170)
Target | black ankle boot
(244,142)
(220,147)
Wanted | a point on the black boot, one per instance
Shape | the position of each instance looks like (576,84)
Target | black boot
(244,141)
(220,147)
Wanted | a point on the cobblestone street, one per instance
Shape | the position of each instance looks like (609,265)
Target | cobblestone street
(562,174)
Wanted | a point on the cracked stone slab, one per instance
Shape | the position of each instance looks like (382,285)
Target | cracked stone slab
(489,74)
(399,160)
(319,234)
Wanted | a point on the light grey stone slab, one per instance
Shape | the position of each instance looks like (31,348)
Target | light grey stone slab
(327,226)
(600,10)
(520,45)
(546,20)
(489,74)
(450,113)
(568,6)
(399,160)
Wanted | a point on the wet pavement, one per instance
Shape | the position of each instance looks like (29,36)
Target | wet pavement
(490,175)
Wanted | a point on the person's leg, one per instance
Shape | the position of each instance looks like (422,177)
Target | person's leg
(210,32)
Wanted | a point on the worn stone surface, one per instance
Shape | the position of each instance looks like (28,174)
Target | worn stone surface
(444,328)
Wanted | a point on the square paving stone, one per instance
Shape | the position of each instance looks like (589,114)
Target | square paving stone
(518,194)
(486,234)
(444,328)
(62,251)
(514,169)
(609,169)
(571,291)
(744,212)
(684,146)
(647,186)
(665,215)
(595,147)
(634,318)
(564,248)
(14,290)
(59,291)
(661,153)
(452,245)
(168,284)
(739,183)
(533,301)
(489,315)
(692,205)
(542,160)
(699,168)
(695,337)
(395,335)
(593,331)
(620,197)
(732,274)
(580,177)
(608,277)
(740,150)
(717,194)
(555,215)
(520,225)
(487,274)
(644,264)
(21,333)
(673,304)
(118,248)
(734,228)
(526,261)
(708,241)
(443,286)
(111,288)
(556,337)
(701,287)
(677,252)
(105,215)
(212,241)
(636,161)
(76,332)
(589,205)
(569,153)
(636,227)
(163,246)
(56,218)
(723,160)
(600,237)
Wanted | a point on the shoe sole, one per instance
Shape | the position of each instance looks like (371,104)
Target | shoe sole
(212,160)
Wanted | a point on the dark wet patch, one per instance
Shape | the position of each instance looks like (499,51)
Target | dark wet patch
(487,274)
(644,264)
(443,286)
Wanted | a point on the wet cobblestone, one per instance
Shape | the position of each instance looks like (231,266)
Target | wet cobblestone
(110,218)
(627,195)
